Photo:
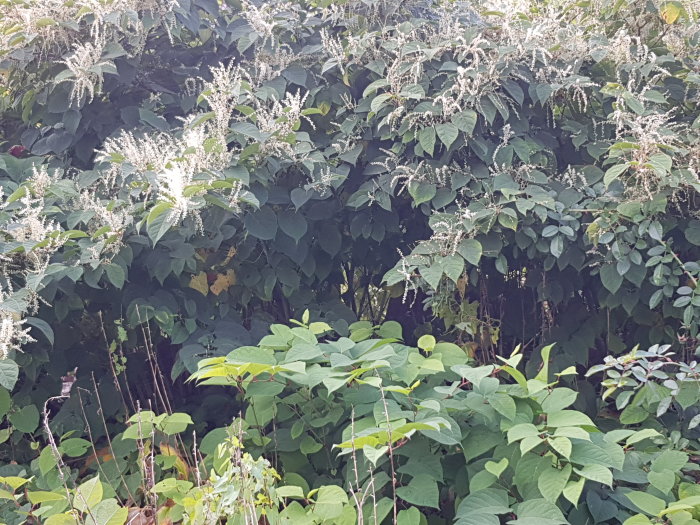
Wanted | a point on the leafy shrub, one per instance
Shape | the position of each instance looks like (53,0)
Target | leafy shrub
(363,427)
(178,176)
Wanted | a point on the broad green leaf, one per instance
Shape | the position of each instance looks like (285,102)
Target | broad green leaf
(558,399)
(5,402)
(447,133)
(41,496)
(471,250)
(613,173)
(568,418)
(410,516)
(646,502)
(88,494)
(293,224)
(329,502)
(552,482)
(497,468)
(562,445)
(9,372)
(175,423)
(521,431)
(572,491)
(596,473)
(61,519)
(427,342)
(503,404)
(26,419)
(610,278)
(422,490)
(261,224)
(107,512)
(663,480)
(465,121)
(673,460)
(426,138)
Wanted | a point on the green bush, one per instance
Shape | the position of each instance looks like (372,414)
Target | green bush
(178,177)
(365,428)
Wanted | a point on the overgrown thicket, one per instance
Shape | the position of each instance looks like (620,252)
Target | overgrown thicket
(424,186)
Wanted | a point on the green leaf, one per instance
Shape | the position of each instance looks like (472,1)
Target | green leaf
(293,224)
(543,375)
(503,404)
(107,512)
(115,274)
(74,447)
(465,121)
(26,419)
(646,502)
(174,423)
(447,133)
(610,278)
(487,501)
(613,173)
(5,402)
(432,275)
(9,373)
(88,494)
(427,342)
(378,101)
(261,224)
(42,326)
(421,192)
(411,516)
(426,138)
(673,460)
(496,468)
(562,445)
(159,226)
(422,490)
(552,481)
(329,502)
(573,490)
(568,418)
(521,431)
(664,480)
(558,399)
(471,250)
(61,519)
(452,266)
(538,511)
(41,496)
(596,473)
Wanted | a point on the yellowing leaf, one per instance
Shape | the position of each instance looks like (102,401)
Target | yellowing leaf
(670,11)
(223,282)
(229,255)
(199,282)
(180,465)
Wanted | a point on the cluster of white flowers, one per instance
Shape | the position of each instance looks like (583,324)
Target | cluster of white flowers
(78,31)
(115,216)
(28,222)
(265,18)
(407,175)
(85,64)
(222,93)
(279,119)
(13,334)
(183,161)
(51,23)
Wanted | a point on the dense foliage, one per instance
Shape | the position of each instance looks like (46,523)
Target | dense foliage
(179,177)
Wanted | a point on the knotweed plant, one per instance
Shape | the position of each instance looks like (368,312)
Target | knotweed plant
(13,333)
